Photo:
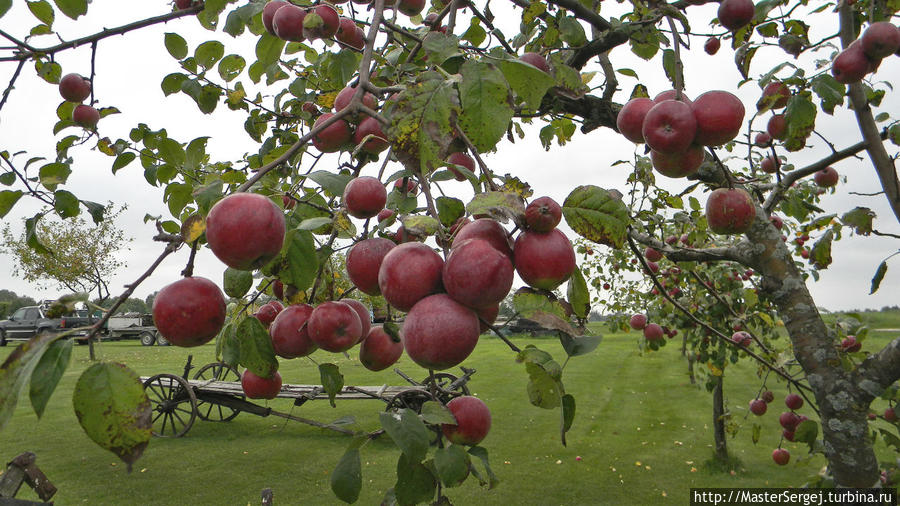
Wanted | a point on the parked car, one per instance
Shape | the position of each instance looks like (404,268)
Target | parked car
(26,323)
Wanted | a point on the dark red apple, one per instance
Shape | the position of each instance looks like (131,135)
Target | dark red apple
(730,211)
(365,317)
(653,332)
(638,321)
(880,40)
(189,312)
(379,351)
(74,88)
(477,275)
(86,116)
(776,221)
(768,165)
(343,99)
(850,65)
(268,14)
(735,14)
(364,261)
(775,96)
(384,214)
(536,60)
(371,136)
(758,407)
(672,95)
(543,260)
(332,137)
(788,435)
(890,415)
(257,387)
(741,338)
(411,185)
(719,116)
(543,214)
(486,317)
(351,34)
(290,333)
(781,456)
(669,127)
(826,178)
(652,255)
(268,312)
(463,160)
(789,420)
(185,4)
(763,139)
(321,22)
(439,333)
(489,230)
(768,396)
(245,230)
(681,164)
(409,273)
(473,421)
(850,344)
(287,22)
(364,197)
(334,326)
(630,119)
(793,402)
(410,7)
(777,127)
(712,45)
(278,289)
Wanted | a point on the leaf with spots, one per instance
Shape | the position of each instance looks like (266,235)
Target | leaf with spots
(596,215)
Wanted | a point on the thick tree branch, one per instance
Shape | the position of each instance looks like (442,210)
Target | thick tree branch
(880,370)
(595,112)
(686,254)
(582,12)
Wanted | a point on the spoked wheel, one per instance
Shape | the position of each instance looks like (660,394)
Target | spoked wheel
(443,381)
(218,371)
(409,399)
(174,404)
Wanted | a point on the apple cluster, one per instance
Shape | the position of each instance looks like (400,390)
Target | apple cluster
(75,88)
(652,331)
(296,24)
(864,55)
(677,129)
(789,420)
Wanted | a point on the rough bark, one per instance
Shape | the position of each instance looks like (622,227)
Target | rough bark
(721,446)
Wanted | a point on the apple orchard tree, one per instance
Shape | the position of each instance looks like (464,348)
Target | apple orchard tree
(408,97)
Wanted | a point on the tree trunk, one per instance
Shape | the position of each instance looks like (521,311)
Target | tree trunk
(721,445)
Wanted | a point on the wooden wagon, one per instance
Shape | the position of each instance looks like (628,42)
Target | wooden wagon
(214,394)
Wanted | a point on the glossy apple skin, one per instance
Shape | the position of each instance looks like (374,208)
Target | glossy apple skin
(653,332)
(826,178)
(334,326)
(730,211)
(287,23)
(630,119)
(473,421)
(365,318)
(477,275)
(189,312)
(681,164)
(364,261)
(544,260)
(332,137)
(289,332)
(364,197)
(375,144)
(86,116)
(268,14)
(543,214)
(735,14)
(487,229)
(463,160)
(379,351)
(268,312)
(638,321)
(245,230)
(669,127)
(536,60)
(409,273)
(880,40)
(74,88)
(256,387)
(439,333)
(781,456)
(850,65)
(777,127)
(719,116)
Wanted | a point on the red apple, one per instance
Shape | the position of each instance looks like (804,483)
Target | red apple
(758,407)
(473,421)
(653,332)
(543,260)
(681,164)
(287,22)
(850,65)
(730,211)
(775,96)
(334,326)
(652,255)
(742,338)
(543,214)
(890,415)
(257,387)
(850,344)
(463,160)
(278,289)
(630,119)
(536,60)
(268,14)
(672,95)
(74,88)
(788,435)
(290,332)
(364,197)
(477,275)
(363,262)
(439,333)
(410,188)
(712,45)
(719,116)
(789,420)
(777,127)
(763,139)
(781,456)
(332,137)
(880,40)
(769,165)
(189,312)
(487,229)
(343,99)
(768,396)
(245,230)
(638,321)
(486,317)
(185,4)
(321,22)
(735,14)
(826,178)
(776,221)
(384,214)
(379,351)
(371,136)
(409,273)
(267,312)
(793,402)
(351,34)
(669,127)
(86,116)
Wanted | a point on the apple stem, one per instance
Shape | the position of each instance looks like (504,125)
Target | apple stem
(503,338)
(189,268)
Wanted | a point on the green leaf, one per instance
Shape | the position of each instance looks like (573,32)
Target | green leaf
(571,32)
(173,83)
(420,225)
(72,8)
(16,371)
(331,182)
(257,353)
(43,11)
(208,53)
(177,196)
(500,205)
(435,413)
(65,204)
(230,346)
(346,479)
(4,6)
(596,215)
(757,431)
(452,465)
(96,210)
(527,81)
(440,47)
(800,118)
(829,90)
(577,346)
(821,250)
(806,432)
(568,412)
(52,73)
(176,45)
(268,49)
(528,304)
(482,455)
(475,33)
(47,373)
(332,380)
(860,218)
(231,66)
(314,223)
(578,294)
(299,261)
(54,174)
(123,160)
(171,152)
(449,210)
(544,387)
(113,410)
(879,275)
(415,482)
(408,432)
(486,104)
(236,283)
(8,199)
(31,236)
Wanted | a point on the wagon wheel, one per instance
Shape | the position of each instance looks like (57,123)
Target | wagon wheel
(412,399)
(173,403)
(443,380)
(219,371)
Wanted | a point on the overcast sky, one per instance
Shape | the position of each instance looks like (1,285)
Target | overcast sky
(130,68)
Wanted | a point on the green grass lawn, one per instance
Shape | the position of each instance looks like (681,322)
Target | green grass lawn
(642,432)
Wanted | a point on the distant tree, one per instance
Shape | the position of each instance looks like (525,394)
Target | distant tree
(10,301)
(148,301)
(68,253)
(131,305)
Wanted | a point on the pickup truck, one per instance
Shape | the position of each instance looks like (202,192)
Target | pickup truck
(26,323)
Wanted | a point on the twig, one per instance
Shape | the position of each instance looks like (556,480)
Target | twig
(11,84)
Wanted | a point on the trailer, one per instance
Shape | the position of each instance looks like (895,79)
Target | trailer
(134,325)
